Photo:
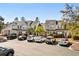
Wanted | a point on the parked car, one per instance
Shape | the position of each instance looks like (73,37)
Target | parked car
(50,40)
(22,37)
(64,42)
(39,39)
(3,39)
(6,51)
(30,38)
(12,36)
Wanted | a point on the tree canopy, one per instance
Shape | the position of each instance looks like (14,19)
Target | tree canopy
(1,23)
(16,19)
(39,29)
(71,17)
(1,18)
(23,18)
(37,19)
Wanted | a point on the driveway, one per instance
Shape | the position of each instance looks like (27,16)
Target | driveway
(24,48)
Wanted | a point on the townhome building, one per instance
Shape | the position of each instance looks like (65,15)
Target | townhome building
(54,26)
(19,26)
(50,26)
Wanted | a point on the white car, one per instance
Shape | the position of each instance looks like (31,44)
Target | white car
(39,39)
(64,42)
(30,38)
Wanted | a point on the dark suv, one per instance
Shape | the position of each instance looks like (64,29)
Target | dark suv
(22,37)
(50,40)
(12,36)
(6,51)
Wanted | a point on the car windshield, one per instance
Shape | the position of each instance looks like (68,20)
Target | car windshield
(37,38)
(2,48)
(49,38)
(13,34)
(23,35)
(30,36)
(64,39)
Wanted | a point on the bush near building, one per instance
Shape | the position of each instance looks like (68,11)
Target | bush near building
(59,36)
(76,37)
(39,30)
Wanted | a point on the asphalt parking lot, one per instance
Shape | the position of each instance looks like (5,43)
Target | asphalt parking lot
(24,48)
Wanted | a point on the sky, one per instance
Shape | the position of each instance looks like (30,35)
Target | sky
(45,11)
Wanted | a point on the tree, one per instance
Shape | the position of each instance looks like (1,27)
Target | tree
(1,23)
(37,19)
(1,18)
(23,18)
(72,19)
(16,19)
(30,31)
(39,30)
(68,13)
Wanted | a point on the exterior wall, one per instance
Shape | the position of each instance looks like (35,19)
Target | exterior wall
(34,24)
(50,24)
(19,25)
(5,32)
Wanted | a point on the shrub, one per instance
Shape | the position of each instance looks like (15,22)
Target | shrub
(69,36)
(59,36)
(76,37)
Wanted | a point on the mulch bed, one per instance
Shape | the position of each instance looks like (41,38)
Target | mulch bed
(75,46)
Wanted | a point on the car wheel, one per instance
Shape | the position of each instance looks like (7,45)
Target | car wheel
(10,54)
(29,40)
(46,42)
(68,44)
